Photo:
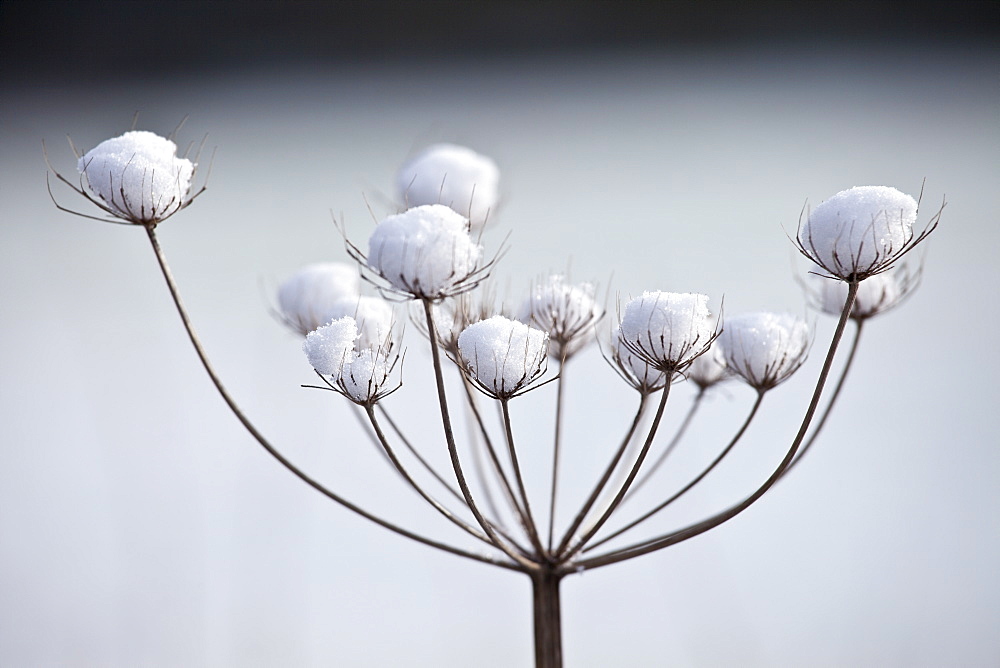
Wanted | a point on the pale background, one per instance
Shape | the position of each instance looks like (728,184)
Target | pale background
(139,525)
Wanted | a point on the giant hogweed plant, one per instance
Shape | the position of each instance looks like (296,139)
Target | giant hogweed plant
(429,254)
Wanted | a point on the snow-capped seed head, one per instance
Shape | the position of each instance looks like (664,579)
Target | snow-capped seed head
(567,312)
(425,252)
(307,298)
(452,316)
(708,369)
(876,294)
(328,347)
(859,232)
(452,175)
(764,348)
(503,356)
(365,375)
(374,318)
(633,369)
(667,329)
(138,177)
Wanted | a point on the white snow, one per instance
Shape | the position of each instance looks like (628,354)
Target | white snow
(329,346)
(668,328)
(764,348)
(503,355)
(567,312)
(373,315)
(455,176)
(425,252)
(138,176)
(860,230)
(307,299)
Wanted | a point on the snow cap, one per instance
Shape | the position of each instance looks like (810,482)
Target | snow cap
(567,312)
(667,329)
(503,356)
(425,252)
(138,176)
(860,231)
(764,348)
(329,346)
(307,298)
(455,176)
(373,316)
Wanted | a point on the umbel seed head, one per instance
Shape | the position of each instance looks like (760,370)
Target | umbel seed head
(455,176)
(667,329)
(763,348)
(425,252)
(308,298)
(138,177)
(503,356)
(859,232)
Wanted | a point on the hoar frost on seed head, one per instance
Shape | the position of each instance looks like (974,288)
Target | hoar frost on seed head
(667,329)
(859,232)
(876,294)
(454,176)
(138,177)
(307,299)
(567,312)
(425,252)
(764,348)
(634,370)
(503,356)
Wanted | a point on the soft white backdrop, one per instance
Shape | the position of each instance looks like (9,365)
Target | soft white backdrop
(140,525)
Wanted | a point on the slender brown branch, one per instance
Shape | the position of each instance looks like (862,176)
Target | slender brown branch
(556,441)
(416,453)
(532,527)
(592,531)
(710,523)
(648,473)
(449,435)
(599,487)
(681,492)
(238,413)
(833,399)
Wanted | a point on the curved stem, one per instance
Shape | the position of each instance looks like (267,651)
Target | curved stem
(631,476)
(555,448)
(695,481)
(705,525)
(833,399)
(409,446)
(599,487)
(647,474)
(449,435)
(532,528)
(235,409)
(370,411)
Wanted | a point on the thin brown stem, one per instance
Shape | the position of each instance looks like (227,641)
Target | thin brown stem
(592,531)
(833,399)
(449,435)
(271,450)
(681,492)
(648,473)
(710,523)
(599,487)
(556,440)
(532,527)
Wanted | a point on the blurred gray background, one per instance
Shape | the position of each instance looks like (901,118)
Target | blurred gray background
(646,146)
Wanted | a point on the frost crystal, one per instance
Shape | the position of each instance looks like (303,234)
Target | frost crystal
(667,329)
(503,355)
(306,300)
(860,231)
(452,175)
(567,312)
(764,348)
(425,252)
(139,177)
(331,345)
(876,294)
